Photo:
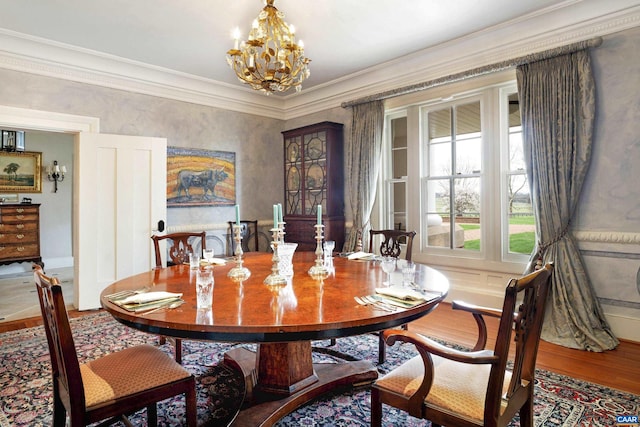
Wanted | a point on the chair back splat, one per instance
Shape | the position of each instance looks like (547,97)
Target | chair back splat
(181,245)
(111,386)
(473,388)
(391,241)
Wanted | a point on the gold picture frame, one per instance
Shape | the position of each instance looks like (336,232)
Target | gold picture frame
(20,172)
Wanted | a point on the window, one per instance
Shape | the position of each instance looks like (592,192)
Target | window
(473,200)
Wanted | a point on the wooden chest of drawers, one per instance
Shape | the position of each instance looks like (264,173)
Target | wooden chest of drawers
(20,233)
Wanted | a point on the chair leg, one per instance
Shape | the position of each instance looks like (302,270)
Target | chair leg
(152,415)
(526,413)
(161,339)
(191,407)
(59,412)
(177,345)
(382,350)
(376,409)
(332,342)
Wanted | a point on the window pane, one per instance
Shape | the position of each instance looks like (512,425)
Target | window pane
(398,190)
(468,119)
(467,213)
(399,132)
(468,155)
(468,138)
(516,153)
(439,191)
(399,163)
(440,124)
(440,159)
(520,214)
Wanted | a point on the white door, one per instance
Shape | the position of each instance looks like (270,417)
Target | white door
(119,197)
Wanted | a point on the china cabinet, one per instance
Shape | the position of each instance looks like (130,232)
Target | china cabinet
(314,176)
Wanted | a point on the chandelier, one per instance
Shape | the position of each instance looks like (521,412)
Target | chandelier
(270,60)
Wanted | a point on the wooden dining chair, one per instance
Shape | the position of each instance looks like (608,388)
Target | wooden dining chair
(390,246)
(249,234)
(472,388)
(181,245)
(391,241)
(111,386)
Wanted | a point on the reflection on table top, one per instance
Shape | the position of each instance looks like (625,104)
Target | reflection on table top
(251,311)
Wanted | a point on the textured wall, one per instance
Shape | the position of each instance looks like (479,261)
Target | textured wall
(608,220)
(257,141)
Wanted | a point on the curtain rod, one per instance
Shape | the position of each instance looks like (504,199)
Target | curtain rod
(475,72)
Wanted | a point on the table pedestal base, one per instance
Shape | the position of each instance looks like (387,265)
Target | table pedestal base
(269,397)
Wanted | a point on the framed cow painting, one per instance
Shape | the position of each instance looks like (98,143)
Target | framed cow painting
(198,177)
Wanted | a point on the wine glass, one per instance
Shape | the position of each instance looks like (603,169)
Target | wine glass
(329,246)
(388,266)
(208,255)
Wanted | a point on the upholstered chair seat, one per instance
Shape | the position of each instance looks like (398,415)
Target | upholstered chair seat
(126,373)
(457,387)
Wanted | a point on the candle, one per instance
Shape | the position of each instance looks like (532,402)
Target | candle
(319,214)
(237,214)
(280,212)
(275,216)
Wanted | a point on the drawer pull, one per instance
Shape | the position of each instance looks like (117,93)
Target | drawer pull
(20,236)
(20,248)
(19,210)
(19,226)
(20,216)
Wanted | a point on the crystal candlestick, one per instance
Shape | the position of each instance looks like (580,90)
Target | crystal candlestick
(238,272)
(275,278)
(319,270)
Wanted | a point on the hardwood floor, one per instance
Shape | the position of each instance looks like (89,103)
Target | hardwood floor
(619,368)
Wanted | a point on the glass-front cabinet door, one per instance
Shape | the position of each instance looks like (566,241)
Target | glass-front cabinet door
(293,166)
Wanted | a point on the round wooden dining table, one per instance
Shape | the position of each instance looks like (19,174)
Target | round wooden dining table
(282,320)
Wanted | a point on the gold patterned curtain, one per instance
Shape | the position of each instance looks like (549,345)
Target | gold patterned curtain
(557,105)
(364,165)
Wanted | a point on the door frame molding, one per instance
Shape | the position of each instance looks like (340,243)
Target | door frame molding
(24,118)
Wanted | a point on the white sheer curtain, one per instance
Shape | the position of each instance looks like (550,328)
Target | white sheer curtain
(557,104)
(363,166)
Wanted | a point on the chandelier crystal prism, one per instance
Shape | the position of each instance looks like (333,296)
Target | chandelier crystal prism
(270,60)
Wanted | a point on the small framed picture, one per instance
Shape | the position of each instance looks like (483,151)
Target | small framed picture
(13,140)
(20,172)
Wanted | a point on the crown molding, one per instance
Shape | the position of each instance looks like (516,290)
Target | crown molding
(566,23)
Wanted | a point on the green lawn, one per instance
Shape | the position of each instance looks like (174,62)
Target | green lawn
(521,243)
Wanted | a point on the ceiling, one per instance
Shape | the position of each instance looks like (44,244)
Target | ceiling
(341,37)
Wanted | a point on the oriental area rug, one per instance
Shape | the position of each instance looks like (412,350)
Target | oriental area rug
(26,396)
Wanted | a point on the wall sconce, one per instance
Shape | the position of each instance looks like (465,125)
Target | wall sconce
(55,174)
